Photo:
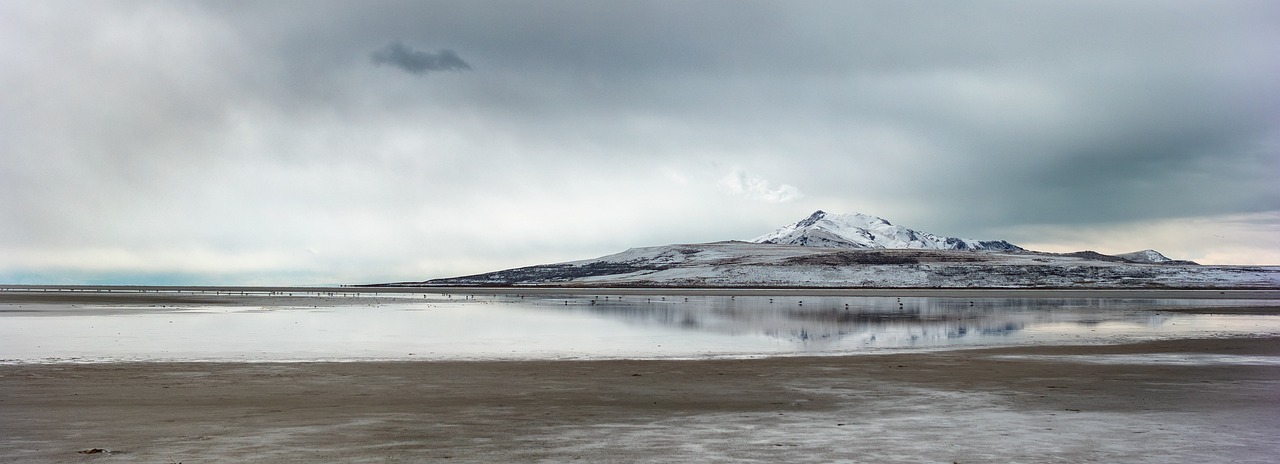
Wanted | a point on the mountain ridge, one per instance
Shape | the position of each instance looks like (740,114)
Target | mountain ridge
(850,255)
(858,230)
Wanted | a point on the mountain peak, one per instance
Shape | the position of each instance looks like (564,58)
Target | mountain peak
(1145,256)
(812,219)
(858,230)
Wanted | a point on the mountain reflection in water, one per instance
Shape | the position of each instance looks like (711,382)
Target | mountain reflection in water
(824,322)
(441,327)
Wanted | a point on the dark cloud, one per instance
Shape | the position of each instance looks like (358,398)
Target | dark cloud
(416,61)
(597,126)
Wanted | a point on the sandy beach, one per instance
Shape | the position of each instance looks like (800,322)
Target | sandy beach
(1185,401)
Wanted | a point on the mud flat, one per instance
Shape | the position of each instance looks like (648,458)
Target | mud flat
(1203,400)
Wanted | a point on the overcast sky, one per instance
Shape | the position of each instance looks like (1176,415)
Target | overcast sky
(320,142)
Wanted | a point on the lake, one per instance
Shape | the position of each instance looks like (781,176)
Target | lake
(275,326)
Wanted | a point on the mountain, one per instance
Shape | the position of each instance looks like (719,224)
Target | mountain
(757,265)
(1151,257)
(859,230)
(863,251)
(1145,256)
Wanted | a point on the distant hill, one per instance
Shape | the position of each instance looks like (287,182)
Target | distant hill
(1151,257)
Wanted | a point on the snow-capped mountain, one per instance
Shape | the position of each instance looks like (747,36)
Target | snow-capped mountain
(859,230)
(863,251)
(757,265)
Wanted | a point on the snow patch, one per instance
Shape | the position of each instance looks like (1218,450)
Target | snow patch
(859,230)
(1145,256)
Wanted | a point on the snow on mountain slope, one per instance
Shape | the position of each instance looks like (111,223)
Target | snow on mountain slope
(1145,256)
(859,250)
(859,230)
(743,264)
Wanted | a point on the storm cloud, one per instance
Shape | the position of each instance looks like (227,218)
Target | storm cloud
(263,142)
(416,61)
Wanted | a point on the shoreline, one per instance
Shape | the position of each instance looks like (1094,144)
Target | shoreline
(1180,400)
(1186,401)
(1266,345)
(15,292)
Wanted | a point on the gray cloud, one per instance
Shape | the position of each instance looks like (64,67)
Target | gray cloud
(141,136)
(416,61)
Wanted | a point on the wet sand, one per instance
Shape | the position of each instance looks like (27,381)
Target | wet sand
(1212,400)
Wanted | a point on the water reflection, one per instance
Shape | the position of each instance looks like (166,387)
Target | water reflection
(826,323)
(575,326)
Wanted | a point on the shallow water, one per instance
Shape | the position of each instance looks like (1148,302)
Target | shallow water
(439,327)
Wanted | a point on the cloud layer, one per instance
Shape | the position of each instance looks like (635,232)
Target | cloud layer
(416,61)
(264,139)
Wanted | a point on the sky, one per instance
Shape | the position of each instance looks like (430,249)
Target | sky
(316,142)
